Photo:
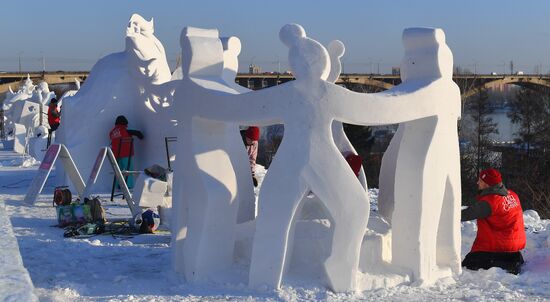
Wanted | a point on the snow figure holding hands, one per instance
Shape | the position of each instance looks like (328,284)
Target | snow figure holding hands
(212,185)
(420,176)
(308,158)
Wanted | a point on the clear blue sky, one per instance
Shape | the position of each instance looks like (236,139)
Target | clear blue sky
(73,35)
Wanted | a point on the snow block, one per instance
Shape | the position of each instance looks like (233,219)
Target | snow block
(15,282)
(149,192)
(19,138)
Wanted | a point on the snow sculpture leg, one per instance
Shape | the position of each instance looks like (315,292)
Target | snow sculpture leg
(425,217)
(211,204)
(386,194)
(348,205)
(448,236)
(280,196)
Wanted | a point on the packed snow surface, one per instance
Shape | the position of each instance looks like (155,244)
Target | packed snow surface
(137,268)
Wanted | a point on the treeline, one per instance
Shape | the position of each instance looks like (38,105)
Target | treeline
(525,163)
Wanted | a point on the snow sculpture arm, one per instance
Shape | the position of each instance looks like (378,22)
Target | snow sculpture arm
(407,102)
(426,72)
(260,108)
(208,96)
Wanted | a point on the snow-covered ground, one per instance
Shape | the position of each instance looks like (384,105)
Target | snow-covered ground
(105,268)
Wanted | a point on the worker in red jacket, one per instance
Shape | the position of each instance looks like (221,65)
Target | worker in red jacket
(122,146)
(54,119)
(500,228)
(252,135)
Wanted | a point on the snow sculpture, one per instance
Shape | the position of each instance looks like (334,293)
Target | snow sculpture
(420,178)
(44,94)
(24,107)
(307,159)
(71,92)
(246,199)
(213,155)
(123,83)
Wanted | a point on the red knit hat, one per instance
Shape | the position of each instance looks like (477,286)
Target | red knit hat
(354,162)
(490,176)
(253,133)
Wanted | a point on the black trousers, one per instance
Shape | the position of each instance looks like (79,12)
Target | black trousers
(511,262)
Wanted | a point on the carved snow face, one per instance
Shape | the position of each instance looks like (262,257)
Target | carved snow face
(145,50)
(308,59)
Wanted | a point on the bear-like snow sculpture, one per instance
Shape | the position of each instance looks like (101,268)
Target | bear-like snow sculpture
(307,159)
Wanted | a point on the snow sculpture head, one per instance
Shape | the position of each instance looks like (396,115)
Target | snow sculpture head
(308,59)
(231,51)
(206,51)
(426,54)
(146,51)
(336,50)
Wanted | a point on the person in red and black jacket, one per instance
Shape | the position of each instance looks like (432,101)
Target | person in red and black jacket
(123,149)
(501,231)
(54,119)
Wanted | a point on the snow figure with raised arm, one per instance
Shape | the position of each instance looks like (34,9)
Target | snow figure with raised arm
(120,84)
(420,176)
(310,209)
(308,158)
(209,155)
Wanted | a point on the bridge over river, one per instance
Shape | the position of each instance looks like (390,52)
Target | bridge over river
(469,84)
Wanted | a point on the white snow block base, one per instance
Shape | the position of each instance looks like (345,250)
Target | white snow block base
(15,282)
(149,192)
(19,140)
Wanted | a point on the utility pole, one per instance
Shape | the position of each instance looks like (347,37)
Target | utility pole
(19,56)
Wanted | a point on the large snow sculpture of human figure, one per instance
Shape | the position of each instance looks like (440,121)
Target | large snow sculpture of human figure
(420,180)
(308,159)
(209,154)
(118,84)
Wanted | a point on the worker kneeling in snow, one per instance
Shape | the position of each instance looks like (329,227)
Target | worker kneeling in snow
(500,228)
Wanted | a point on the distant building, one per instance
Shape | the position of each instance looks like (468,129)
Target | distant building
(254,69)
(395,71)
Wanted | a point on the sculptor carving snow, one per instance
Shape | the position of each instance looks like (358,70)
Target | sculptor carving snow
(425,223)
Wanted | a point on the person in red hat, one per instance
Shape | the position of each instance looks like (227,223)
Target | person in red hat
(500,227)
(252,135)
